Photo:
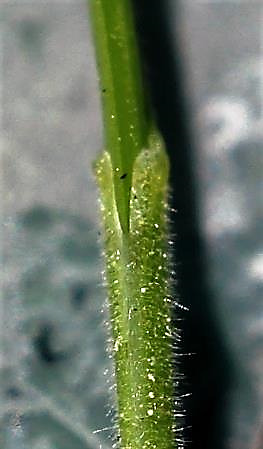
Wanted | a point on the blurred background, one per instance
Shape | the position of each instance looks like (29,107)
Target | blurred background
(204,66)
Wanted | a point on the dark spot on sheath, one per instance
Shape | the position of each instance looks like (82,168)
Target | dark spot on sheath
(135,197)
(104,90)
(79,293)
(42,343)
(123,176)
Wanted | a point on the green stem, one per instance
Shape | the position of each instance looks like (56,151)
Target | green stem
(140,303)
(125,121)
(132,174)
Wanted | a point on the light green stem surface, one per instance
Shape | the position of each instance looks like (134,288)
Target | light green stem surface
(133,178)
(140,303)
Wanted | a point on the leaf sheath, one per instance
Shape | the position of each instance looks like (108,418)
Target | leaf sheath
(137,269)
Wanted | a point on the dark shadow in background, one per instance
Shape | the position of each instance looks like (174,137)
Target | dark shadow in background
(208,373)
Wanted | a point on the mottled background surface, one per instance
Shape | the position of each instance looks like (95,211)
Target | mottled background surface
(54,393)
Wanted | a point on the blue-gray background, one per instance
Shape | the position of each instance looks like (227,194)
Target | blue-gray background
(54,393)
